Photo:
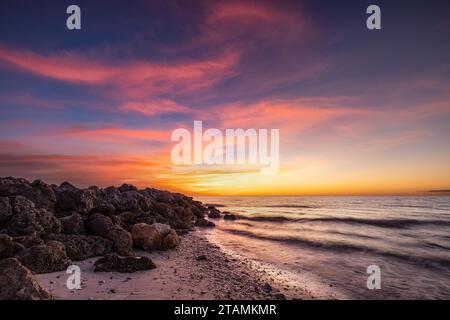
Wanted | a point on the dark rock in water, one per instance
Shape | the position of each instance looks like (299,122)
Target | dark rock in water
(214,213)
(99,225)
(114,263)
(123,242)
(8,247)
(5,210)
(70,198)
(81,247)
(156,236)
(202,222)
(27,219)
(229,216)
(46,258)
(18,283)
(73,224)
(40,193)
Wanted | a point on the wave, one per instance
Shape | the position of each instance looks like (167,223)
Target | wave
(385,223)
(345,247)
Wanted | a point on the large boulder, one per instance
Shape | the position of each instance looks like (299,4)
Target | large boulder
(73,224)
(50,257)
(115,263)
(40,193)
(81,247)
(153,237)
(19,283)
(99,225)
(70,198)
(27,219)
(8,247)
(123,242)
(29,240)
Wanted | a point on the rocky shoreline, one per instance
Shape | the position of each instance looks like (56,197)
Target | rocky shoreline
(114,234)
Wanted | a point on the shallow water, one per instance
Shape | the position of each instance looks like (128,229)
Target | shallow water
(336,238)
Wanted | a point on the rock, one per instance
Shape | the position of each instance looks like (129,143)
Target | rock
(27,219)
(70,198)
(8,247)
(115,263)
(50,257)
(81,247)
(280,296)
(153,237)
(104,208)
(5,210)
(73,224)
(98,225)
(127,187)
(229,216)
(18,283)
(38,192)
(170,241)
(129,219)
(202,222)
(29,240)
(214,213)
(123,242)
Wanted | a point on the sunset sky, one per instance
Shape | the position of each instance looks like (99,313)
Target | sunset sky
(359,111)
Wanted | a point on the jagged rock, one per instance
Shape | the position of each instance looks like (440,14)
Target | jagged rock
(115,263)
(104,208)
(73,224)
(46,258)
(123,242)
(81,247)
(27,219)
(127,187)
(5,210)
(152,237)
(18,283)
(129,219)
(229,216)
(99,225)
(40,193)
(8,247)
(170,241)
(202,222)
(70,198)
(214,213)
(29,240)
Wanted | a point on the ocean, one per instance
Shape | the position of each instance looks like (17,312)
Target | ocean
(331,241)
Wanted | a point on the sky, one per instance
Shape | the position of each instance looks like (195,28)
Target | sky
(359,111)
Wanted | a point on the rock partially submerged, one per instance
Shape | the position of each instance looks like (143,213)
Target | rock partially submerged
(114,263)
(18,283)
(202,222)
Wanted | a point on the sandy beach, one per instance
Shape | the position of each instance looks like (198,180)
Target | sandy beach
(196,269)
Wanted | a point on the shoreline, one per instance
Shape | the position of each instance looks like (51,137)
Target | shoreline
(196,270)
